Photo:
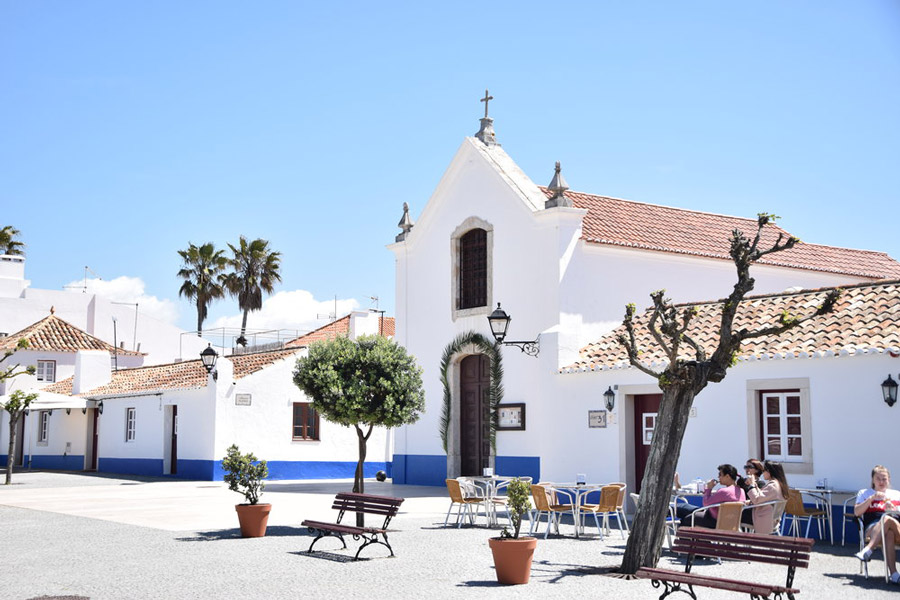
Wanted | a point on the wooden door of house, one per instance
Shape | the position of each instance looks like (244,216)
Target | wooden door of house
(19,451)
(95,438)
(646,408)
(173,469)
(474,409)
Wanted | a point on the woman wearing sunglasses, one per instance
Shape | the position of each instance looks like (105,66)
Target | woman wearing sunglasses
(774,487)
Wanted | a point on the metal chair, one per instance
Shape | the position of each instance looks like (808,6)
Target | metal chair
(776,516)
(545,502)
(847,514)
(606,506)
(727,519)
(798,512)
(458,499)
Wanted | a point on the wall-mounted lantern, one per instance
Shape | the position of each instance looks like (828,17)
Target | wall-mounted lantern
(609,397)
(499,322)
(209,358)
(889,391)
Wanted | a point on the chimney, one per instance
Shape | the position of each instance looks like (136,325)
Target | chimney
(92,369)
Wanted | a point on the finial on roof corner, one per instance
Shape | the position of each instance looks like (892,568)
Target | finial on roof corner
(52,310)
(486,133)
(558,186)
(406,224)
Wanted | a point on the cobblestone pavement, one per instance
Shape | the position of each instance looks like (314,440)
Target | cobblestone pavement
(83,536)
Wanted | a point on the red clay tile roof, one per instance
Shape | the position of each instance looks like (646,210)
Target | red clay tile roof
(617,222)
(866,319)
(176,376)
(52,334)
(340,327)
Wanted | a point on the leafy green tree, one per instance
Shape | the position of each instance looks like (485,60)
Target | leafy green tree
(256,269)
(17,402)
(245,474)
(203,273)
(690,368)
(362,384)
(8,242)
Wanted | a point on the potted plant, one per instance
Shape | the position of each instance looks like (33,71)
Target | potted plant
(512,554)
(245,475)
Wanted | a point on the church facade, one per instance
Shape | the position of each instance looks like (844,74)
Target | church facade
(563,265)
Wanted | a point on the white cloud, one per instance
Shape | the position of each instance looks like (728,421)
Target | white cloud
(295,310)
(131,290)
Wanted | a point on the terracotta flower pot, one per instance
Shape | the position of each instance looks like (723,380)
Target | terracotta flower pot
(512,558)
(253,519)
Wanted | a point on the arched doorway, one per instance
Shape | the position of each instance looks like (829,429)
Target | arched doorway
(474,414)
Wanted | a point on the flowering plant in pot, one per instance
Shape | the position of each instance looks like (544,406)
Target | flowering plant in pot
(512,554)
(244,474)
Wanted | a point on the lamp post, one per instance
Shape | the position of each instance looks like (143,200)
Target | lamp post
(889,391)
(499,322)
(208,357)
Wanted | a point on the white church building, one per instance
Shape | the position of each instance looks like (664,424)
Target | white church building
(564,265)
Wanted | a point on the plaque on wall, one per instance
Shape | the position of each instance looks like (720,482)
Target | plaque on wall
(242,399)
(511,417)
(596,418)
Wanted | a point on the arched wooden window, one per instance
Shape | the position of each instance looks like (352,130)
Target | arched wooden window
(473,269)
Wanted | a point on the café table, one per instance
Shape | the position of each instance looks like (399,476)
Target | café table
(824,498)
(486,487)
(577,492)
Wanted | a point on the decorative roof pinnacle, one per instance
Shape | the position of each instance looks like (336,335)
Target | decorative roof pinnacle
(486,133)
(558,186)
(406,224)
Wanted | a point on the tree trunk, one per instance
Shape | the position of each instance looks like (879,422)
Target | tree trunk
(199,322)
(243,340)
(648,530)
(358,483)
(11,455)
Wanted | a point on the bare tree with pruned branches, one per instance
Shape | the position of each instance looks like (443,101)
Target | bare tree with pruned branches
(685,376)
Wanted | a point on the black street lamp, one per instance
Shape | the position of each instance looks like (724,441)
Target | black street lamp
(208,357)
(499,322)
(609,396)
(889,390)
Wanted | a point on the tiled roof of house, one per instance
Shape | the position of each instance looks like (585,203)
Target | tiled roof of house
(340,327)
(866,319)
(176,376)
(617,222)
(52,334)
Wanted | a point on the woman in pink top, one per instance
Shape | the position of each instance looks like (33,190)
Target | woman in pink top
(729,492)
(776,489)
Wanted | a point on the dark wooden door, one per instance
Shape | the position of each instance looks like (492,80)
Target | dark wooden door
(95,438)
(474,404)
(646,408)
(19,451)
(173,469)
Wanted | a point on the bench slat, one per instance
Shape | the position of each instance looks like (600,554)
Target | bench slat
(728,550)
(721,583)
(350,529)
(750,539)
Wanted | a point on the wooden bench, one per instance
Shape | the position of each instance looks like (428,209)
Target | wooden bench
(384,506)
(698,541)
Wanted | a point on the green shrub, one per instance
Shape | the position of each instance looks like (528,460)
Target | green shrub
(244,474)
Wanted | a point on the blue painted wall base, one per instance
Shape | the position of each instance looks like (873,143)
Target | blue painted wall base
(431,469)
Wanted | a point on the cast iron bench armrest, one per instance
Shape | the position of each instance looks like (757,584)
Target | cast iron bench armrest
(384,506)
(698,541)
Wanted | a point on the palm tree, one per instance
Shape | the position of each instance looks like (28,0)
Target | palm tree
(255,271)
(8,242)
(202,272)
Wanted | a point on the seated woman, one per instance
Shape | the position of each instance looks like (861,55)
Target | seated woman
(871,505)
(752,467)
(774,487)
(729,492)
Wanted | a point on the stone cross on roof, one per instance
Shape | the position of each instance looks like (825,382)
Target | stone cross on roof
(486,99)
(486,133)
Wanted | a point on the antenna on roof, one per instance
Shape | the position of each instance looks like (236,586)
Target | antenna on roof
(333,315)
(375,300)
(84,286)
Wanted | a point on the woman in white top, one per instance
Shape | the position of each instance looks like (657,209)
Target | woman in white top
(776,489)
(871,506)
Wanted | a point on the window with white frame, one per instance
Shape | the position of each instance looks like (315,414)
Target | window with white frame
(782,425)
(471,268)
(46,370)
(43,427)
(129,424)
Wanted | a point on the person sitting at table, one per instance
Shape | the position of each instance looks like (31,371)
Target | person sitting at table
(729,492)
(753,467)
(871,505)
(773,487)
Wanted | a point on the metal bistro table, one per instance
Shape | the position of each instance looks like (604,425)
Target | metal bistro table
(577,492)
(488,485)
(824,498)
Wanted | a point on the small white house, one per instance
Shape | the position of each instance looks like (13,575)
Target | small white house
(176,419)
(564,265)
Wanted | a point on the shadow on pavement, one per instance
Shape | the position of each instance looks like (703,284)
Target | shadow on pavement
(233,534)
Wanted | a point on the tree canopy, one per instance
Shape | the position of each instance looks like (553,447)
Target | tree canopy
(255,269)
(203,272)
(9,244)
(364,383)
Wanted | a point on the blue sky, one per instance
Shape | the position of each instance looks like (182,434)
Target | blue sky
(128,130)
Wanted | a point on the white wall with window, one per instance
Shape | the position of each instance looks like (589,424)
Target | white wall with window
(45,371)
(130,424)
